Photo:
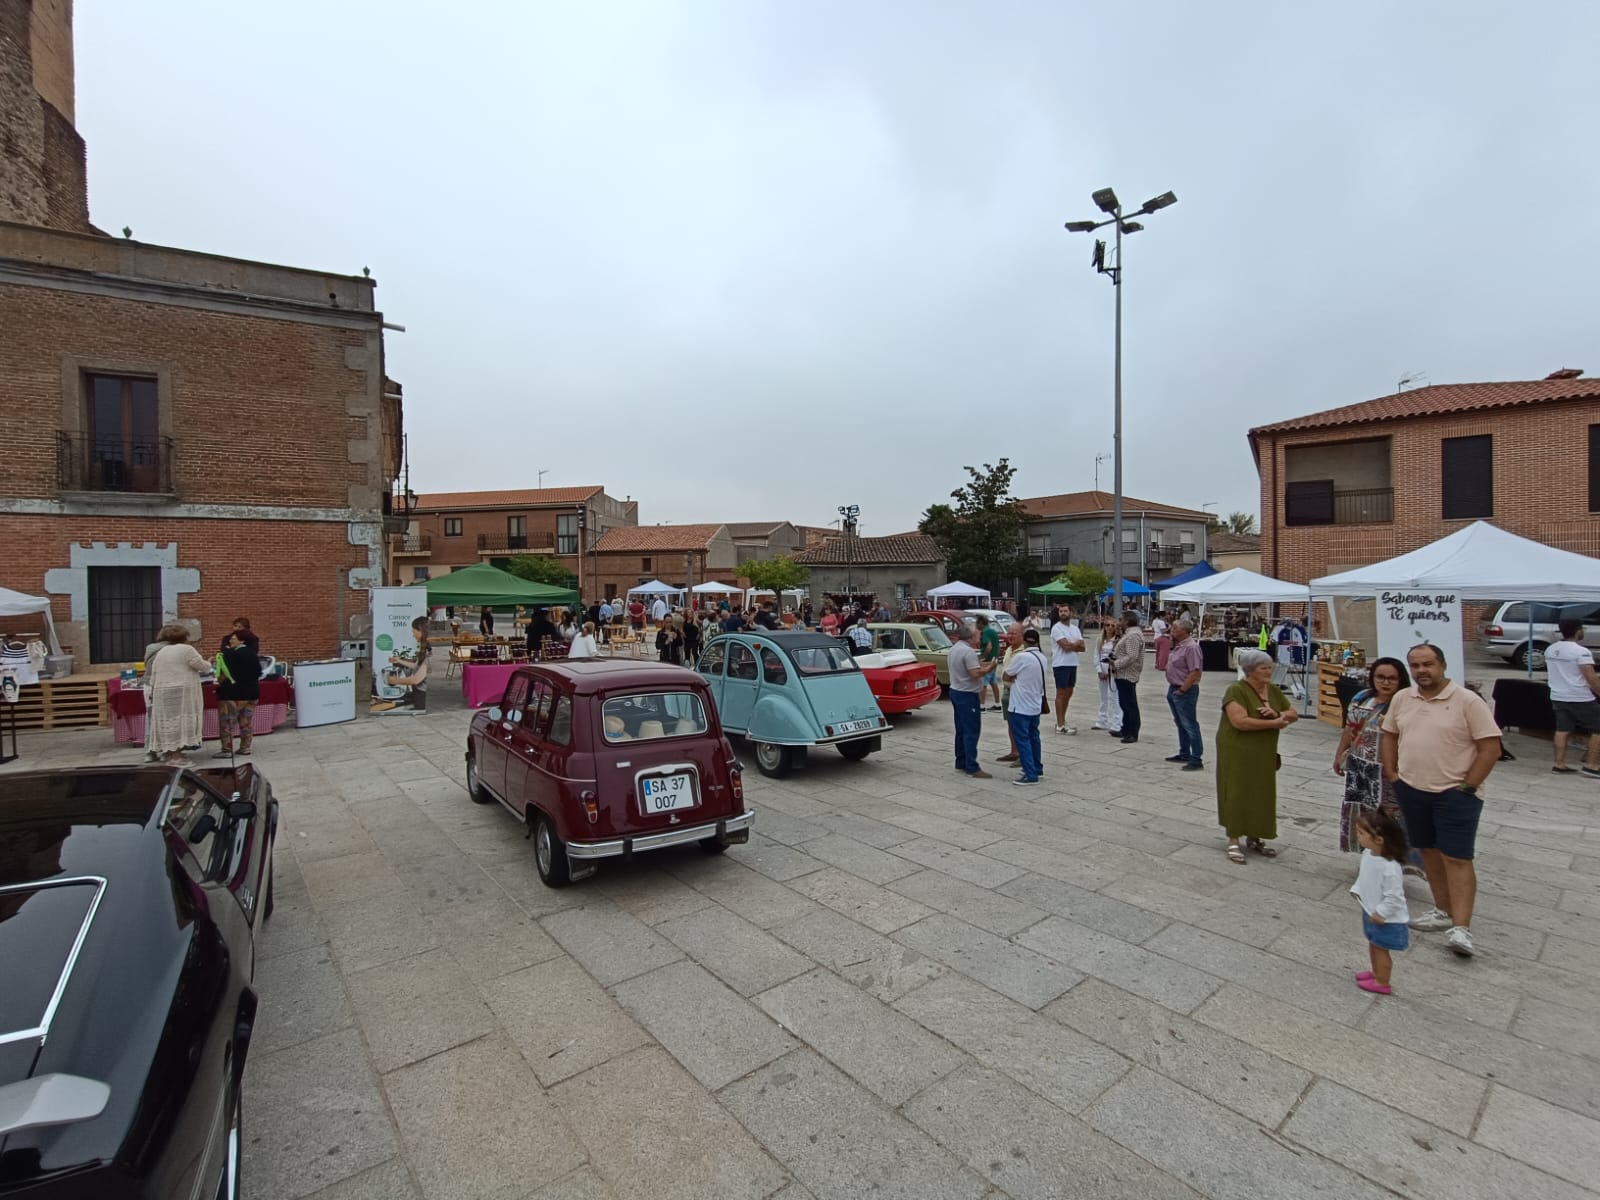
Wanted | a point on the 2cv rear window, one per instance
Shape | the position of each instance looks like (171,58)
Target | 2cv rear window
(652,715)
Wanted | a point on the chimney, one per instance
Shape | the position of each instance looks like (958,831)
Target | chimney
(1566,373)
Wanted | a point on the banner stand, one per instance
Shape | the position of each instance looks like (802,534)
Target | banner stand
(399,657)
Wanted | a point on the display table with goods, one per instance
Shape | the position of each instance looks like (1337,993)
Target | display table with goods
(483,683)
(1523,704)
(128,708)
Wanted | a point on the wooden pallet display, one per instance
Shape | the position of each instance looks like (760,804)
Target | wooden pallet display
(1328,710)
(77,702)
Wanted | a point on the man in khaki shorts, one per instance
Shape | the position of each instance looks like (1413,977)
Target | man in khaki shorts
(1442,744)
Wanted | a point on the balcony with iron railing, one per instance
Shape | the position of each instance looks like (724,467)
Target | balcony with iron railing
(142,467)
(516,543)
(412,543)
(1320,503)
(1050,558)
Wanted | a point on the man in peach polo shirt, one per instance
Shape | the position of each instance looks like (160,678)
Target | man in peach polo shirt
(1442,744)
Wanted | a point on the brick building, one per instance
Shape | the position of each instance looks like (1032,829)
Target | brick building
(895,568)
(1365,482)
(191,437)
(682,555)
(448,530)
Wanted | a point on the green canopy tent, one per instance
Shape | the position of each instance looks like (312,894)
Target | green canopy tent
(473,587)
(1055,590)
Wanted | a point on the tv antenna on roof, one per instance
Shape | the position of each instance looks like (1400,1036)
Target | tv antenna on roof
(1415,379)
(1098,459)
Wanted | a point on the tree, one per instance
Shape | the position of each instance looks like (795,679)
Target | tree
(1237,522)
(777,574)
(540,568)
(981,535)
(1085,579)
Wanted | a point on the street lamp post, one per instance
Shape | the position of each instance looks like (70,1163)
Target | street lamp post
(847,525)
(1106,200)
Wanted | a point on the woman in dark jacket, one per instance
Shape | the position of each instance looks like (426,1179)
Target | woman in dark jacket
(238,689)
(669,643)
(691,642)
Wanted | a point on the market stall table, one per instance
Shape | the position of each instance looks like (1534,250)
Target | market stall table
(128,710)
(484,683)
(1523,704)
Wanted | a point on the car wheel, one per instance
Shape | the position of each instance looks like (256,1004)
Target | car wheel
(1519,658)
(228,1187)
(550,853)
(474,785)
(773,761)
(855,751)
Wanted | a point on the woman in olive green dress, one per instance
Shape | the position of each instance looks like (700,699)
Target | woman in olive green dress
(1253,711)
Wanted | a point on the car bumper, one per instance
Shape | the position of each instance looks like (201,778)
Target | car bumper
(736,829)
(908,701)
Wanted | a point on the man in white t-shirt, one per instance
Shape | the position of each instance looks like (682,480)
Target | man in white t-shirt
(658,610)
(1066,640)
(1573,688)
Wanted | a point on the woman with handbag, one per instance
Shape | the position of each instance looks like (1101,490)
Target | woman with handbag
(1356,759)
(173,695)
(1253,713)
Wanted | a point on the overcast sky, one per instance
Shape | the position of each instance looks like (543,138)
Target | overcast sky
(746,260)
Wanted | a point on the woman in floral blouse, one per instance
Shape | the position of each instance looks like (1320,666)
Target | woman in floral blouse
(1357,756)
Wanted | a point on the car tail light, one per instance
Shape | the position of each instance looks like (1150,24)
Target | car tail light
(902,686)
(591,806)
(738,784)
(1494,631)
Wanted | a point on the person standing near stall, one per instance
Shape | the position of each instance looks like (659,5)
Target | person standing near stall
(173,695)
(238,692)
(1127,664)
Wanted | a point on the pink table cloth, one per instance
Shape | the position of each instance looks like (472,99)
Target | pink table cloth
(128,711)
(483,684)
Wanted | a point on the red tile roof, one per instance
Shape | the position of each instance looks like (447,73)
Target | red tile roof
(525,498)
(1083,504)
(871,551)
(1223,542)
(1438,400)
(657,538)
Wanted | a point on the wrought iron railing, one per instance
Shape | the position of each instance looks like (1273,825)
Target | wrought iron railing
(86,463)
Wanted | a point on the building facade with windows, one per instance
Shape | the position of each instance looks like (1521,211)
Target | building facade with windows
(1362,483)
(1158,540)
(681,555)
(191,437)
(448,530)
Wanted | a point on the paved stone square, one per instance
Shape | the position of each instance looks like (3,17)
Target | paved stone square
(908,984)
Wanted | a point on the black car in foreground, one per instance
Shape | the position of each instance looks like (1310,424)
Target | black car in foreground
(130,899)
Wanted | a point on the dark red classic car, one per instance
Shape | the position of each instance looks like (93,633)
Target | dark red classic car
(604,759)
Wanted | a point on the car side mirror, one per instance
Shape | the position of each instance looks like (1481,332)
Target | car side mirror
(241,810)
(495,714)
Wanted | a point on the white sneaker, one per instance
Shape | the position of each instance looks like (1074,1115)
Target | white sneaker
(1067,729)
(1460,941)
(1097,725)
(1432,921)
(1061,728)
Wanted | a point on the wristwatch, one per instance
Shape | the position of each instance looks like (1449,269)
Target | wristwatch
(1470,789)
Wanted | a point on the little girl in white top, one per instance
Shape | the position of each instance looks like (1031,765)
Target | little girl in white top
(1380,886)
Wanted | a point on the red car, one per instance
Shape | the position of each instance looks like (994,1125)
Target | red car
(898,681)
(605,759)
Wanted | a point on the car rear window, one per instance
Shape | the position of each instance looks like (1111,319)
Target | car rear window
(822,660)
(39,925)
(652,715)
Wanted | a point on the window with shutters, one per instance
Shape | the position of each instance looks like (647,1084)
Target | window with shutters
(1466,469)
(1594,468)
(1308,503)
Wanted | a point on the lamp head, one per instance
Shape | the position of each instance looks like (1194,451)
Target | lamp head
(1131,227)
(1106,200)
(1165,200)
(1082,226)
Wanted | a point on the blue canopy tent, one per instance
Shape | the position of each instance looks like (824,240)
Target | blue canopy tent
(1199,571)
(1129,588)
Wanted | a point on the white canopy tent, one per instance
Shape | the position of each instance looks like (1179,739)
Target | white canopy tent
(655,588)
(1480,562)
(18,604)
(1237,586)
(714,589)
(955,589)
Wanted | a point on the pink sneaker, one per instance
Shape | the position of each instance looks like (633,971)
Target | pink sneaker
(1370,984)
(1360,975)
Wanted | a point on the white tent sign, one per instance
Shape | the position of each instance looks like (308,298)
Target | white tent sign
(1407,619)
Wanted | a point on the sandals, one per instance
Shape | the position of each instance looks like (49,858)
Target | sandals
(1562,770)
(1262,848)
(1235,853)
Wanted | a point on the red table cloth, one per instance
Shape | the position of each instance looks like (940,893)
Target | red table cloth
(128,710)
(483,684)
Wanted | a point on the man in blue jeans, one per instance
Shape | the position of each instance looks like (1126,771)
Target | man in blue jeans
(966,690)
(1025,676)
(1184,664)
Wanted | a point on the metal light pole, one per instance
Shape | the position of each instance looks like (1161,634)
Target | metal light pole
(849,513)
(1106,200)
